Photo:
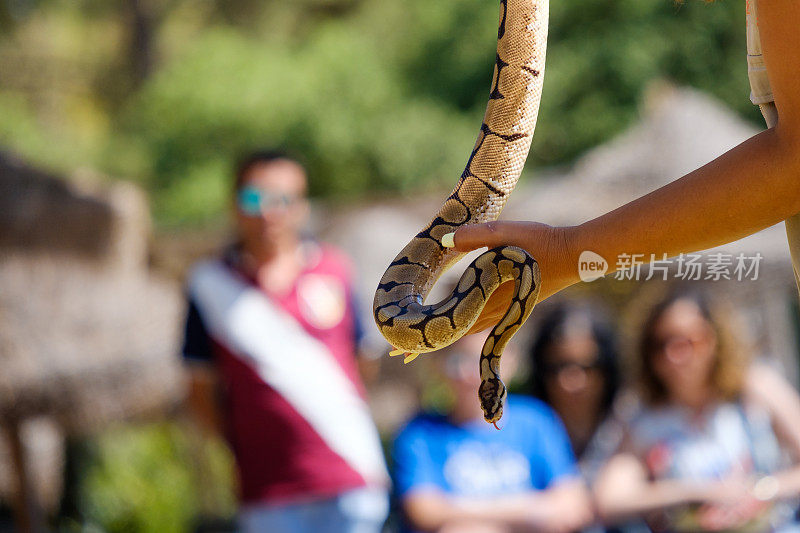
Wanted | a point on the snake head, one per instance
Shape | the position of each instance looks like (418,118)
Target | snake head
(492,395)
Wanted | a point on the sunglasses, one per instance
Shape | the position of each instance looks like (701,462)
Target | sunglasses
(675,344)
(253,202)
(558,368)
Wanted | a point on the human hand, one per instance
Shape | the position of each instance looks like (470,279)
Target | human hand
(549,245)
(560,509)
(723,517)
(729,504)
(719,492)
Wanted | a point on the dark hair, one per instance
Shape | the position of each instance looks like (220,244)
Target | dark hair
(727,374)
(260,157)
(552,330)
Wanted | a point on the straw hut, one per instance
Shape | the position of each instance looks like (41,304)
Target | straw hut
(87,334)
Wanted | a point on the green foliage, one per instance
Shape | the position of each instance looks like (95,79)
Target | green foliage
(603,53)
(349,118)
(142,480)
(376,96)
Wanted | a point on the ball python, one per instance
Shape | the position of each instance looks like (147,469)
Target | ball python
(492,171)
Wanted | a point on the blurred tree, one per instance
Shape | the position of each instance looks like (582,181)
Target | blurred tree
(377,95)
(141,479)
(140,49)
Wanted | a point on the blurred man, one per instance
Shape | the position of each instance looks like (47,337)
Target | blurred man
(271,327)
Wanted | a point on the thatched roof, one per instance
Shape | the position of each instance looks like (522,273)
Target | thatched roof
(87,334)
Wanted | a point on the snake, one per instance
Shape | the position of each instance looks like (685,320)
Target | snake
(491,173)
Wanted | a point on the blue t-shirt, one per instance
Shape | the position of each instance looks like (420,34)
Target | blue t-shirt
(473,459)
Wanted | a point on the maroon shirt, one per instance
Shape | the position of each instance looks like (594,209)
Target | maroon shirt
(279,454)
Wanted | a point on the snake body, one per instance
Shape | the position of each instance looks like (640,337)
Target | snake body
(492,171)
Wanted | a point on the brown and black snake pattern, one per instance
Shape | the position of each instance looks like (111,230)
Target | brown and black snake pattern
(491,173)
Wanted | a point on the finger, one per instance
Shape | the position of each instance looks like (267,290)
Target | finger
(475,236)
(479,326)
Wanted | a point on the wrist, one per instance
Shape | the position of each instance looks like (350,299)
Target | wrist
(693,492)
(563,242)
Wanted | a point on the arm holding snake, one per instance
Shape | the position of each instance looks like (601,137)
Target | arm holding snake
(713,205)
(751,187)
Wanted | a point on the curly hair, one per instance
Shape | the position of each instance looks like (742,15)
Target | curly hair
(732,354)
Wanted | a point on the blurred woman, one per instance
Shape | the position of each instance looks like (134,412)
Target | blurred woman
(574,369)
(705,452)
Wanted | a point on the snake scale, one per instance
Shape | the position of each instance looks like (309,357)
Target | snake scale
(492,171)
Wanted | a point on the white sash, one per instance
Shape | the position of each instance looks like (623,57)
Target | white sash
(295,364)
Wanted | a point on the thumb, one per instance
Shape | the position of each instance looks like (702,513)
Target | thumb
(489,234)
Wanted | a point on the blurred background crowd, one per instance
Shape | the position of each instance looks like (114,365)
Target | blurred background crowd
(121,124)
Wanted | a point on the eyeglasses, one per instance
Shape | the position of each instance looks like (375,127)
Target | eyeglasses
(557,368)
(676,344)
(253,202)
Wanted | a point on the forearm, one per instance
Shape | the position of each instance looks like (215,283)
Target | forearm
(751,187)
(614,505)
(564,507)
(623,490)
(433,510)
(513,511)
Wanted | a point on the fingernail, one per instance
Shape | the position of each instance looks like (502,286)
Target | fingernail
(449,240)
